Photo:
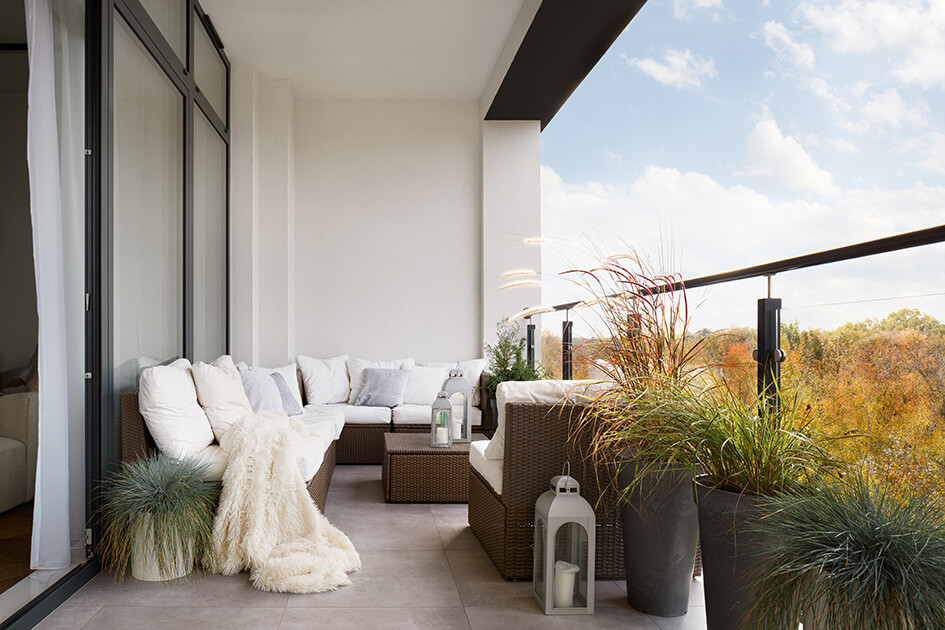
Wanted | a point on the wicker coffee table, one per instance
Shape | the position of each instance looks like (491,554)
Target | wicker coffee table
(415,472)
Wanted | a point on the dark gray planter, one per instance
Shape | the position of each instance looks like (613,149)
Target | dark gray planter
(660,529)
(729,554)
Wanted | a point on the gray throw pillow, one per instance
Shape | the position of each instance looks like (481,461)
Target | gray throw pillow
(289,403)
(383,387)
(261,391)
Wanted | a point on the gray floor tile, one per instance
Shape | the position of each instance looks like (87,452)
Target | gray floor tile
(524,614)
(233,591)
(68,618)
(185,618)
(457,536)
(404,564)
(693,620)
(387,591)
(473,565)
(370,618)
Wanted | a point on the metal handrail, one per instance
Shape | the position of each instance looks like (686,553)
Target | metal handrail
(907,240)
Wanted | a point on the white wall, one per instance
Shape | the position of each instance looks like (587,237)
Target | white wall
(388,229)
(386,205)
(511,212)
(18,321)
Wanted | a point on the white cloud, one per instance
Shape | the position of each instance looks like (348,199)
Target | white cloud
(841,144)
(915,30)
(888,108)
(935,154)
(683,8)
(821,89)
(698,226)
(786,47)
(681,69)
(772,154)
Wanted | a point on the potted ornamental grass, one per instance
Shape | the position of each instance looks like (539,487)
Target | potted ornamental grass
(748,452)
(157,518)
(642,423)
(851,554)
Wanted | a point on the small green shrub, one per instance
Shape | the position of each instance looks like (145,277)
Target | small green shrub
(507,361)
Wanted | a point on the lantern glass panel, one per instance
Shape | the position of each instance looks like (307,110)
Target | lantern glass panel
(570,588)
(538,570)
(460,426)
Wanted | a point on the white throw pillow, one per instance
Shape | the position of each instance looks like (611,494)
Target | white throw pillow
(548,392)
(472,372)
(220,393)
(356,369)
(424,384)
(168,401)
(325,380)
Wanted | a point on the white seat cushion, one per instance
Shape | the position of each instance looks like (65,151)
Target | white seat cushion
(548,392)
(420,414)
(359,415)
(490,469)
(329,422)
(412,414)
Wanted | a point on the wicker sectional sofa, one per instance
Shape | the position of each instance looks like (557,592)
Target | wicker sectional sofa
(135,441)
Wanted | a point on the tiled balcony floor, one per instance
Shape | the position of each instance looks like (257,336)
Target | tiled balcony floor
(422,567)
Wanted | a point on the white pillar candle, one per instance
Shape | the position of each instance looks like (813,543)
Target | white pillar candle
(565,573)
(442,435)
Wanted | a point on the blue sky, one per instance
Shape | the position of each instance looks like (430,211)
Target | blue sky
(715,135)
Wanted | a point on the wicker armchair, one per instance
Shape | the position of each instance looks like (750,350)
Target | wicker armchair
(137,442)
(537,442)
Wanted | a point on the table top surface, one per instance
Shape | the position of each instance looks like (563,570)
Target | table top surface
(420,443)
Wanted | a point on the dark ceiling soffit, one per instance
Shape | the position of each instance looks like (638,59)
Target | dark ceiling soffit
(564,42)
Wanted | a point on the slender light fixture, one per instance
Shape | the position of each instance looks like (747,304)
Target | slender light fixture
(512,273)
(517,284)
(529,312)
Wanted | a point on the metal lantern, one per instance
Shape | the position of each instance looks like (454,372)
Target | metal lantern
(563,575)
(442,419)
(460,392)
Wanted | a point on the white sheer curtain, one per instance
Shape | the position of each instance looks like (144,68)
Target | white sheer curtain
(55,132)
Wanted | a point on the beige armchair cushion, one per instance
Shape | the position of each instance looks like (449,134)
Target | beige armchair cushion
(19,420)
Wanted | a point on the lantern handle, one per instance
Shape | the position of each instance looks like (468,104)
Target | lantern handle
(566,469)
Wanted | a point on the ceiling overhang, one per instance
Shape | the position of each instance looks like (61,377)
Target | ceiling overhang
(565,41)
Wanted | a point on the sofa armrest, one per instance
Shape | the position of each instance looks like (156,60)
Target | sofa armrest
(19,420)
(538,441)
(135,440)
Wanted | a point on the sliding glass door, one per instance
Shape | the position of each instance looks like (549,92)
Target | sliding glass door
(147,211)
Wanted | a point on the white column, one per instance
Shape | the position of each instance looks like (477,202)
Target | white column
(511,213)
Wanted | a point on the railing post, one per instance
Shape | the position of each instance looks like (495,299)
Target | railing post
(566,344)
(769,354)
(530,342)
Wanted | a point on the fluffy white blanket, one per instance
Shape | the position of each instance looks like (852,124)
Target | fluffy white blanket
(267,522)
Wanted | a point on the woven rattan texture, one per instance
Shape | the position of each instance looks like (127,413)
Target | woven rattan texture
(412,428)
(538,441)
(137,442)
(362,443)
(415,472)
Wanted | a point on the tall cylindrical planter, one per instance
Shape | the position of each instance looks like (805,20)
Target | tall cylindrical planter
(729,553)
(660,531)
(144,561)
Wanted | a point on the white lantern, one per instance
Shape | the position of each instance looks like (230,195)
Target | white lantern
(460,392)
(441,422)
(563,574)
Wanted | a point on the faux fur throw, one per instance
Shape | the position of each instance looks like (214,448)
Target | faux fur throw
(266,521)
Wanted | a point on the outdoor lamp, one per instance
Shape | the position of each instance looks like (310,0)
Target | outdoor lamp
(460,393)
(563,574)
(441,421)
